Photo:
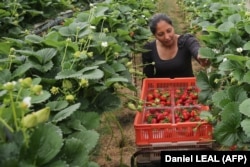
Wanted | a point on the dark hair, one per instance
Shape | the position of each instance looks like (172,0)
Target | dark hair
(156,19)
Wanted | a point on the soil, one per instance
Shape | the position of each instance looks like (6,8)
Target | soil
(117,135)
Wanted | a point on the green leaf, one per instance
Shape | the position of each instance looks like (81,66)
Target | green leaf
(85,69)
(247,28)
(226,132)
(68,74)
(74,152)
(226,26)
(231,110)
(118,67)
(93,164)
(248,64)
(66,113)
(108,70)
(17,42)
(9,152)
(246,46)
(36,81)
(34,39)
(57,105)
(88,137)
(237,58)
(45,143)
(46,54)
(107,101)
(238,74)
(237,94)
(245,124)
(90,120)
(219,97)
(98,63)
(110,81)
(204,95)
(46,67)
(204,115)
(40,67)
(122,32)
(67,31)
(202,81)
(72,29)
(5,76)
(76,125)
(21,69)
(246,77)
(5,48)
(100,11)
(206,52)
(58,163)
(212,78)
(93,74)
(244,107)
(228,66)
(26,52)
(235,18)
(45,95)
(84,33)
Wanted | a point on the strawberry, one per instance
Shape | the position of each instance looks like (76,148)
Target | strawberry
(150,97)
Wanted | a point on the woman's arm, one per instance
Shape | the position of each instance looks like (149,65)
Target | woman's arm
(194,47)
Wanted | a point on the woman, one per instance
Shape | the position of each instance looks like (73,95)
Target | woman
(169,55)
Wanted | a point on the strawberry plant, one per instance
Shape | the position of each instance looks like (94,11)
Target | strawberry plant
(77,68)
(225,85)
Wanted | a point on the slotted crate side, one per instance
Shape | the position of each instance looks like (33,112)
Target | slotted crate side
(170,132)
(153,83)
(157,133)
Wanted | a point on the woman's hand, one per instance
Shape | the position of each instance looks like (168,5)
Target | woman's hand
(203,61)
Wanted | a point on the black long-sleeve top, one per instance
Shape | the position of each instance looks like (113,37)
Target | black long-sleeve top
(179,66)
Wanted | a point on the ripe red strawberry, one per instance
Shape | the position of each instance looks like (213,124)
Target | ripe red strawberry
(150,97)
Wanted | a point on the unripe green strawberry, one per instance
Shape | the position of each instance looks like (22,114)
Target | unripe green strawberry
(90,54)
(29,121)
(42,115)
(26,82)
(37,89)
(131,70)
(9,86)
(70,98)
(117,85)
(132,106)
(84,83)
(67,84)
(77,54)
(139,108)
(129,64)
(138,73)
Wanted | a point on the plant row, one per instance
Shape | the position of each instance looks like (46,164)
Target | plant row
(223,27)
(55,85)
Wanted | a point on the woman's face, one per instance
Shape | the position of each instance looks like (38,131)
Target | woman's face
(165,33)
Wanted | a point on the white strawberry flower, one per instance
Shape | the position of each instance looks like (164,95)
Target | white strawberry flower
(239,50)
(104,44)
(92,27)
(27,101)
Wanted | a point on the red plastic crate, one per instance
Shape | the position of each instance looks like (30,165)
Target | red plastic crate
(148,134)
